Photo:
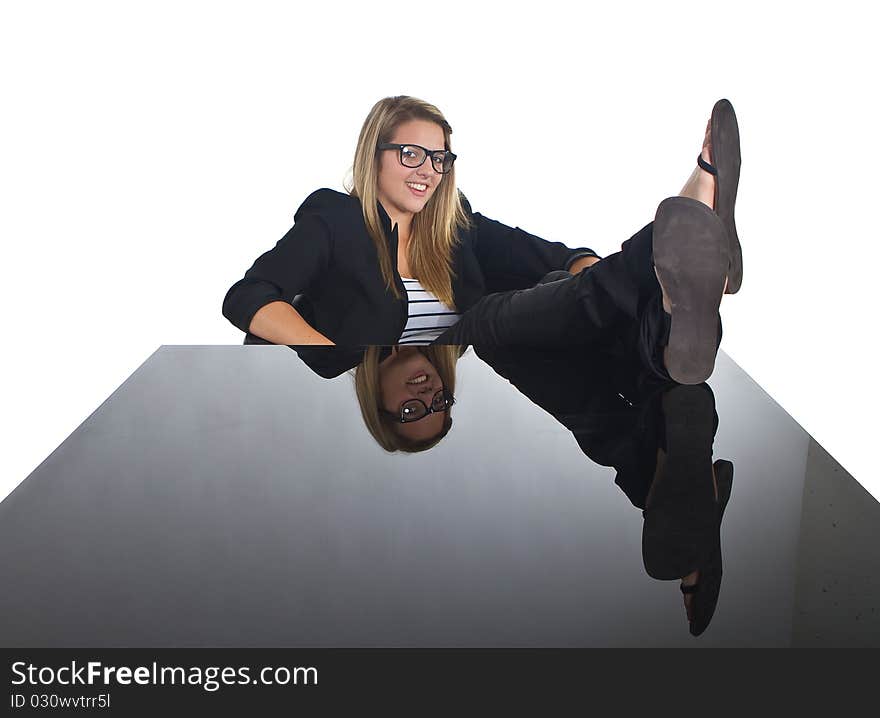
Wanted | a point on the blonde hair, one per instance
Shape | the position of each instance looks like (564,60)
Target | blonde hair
(435,228)
(383,427)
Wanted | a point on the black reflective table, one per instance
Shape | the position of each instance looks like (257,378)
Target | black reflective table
(229,496)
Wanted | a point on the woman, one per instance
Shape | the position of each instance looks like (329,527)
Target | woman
(347,258)
(662,291)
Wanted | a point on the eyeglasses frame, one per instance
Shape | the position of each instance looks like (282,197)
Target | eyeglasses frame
(428,153)
(449,401)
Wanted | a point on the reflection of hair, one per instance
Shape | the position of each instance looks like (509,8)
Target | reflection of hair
(434,229)
(380,425)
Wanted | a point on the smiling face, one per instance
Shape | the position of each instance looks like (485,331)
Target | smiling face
(407,374)
(401,190)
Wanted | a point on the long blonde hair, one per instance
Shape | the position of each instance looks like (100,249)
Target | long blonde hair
(380,425)
(435,228)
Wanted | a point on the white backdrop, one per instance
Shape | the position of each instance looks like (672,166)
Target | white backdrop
(150,151)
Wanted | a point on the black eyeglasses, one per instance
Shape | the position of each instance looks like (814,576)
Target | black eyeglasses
(415,156)
(415,409)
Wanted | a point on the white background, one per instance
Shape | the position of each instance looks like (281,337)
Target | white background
(150,151)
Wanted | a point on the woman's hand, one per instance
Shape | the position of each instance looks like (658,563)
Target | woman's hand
(279,323)
(581,264)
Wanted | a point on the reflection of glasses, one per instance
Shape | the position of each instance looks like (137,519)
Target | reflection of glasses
(415,409)
(415,156)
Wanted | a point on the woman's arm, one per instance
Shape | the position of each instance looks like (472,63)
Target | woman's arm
(260,303)
(279,323)
(514,259)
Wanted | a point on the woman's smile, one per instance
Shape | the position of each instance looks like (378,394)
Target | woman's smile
(407,374)
(418,189)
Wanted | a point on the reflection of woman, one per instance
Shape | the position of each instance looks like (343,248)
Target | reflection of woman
(347,257)
(406,394)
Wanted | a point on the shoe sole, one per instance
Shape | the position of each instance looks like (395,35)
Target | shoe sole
(679,513)
(689,413)
(726,158)
(691,260)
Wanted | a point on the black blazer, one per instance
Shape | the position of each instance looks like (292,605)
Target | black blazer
(329,262)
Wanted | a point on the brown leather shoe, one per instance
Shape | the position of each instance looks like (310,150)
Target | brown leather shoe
(691,261)
(724,135)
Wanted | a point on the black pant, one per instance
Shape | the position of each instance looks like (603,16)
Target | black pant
(616,304)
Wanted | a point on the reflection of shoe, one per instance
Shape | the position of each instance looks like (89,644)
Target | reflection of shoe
(691,262)
(705,591)
(680,516)
(682,531)
(724,134)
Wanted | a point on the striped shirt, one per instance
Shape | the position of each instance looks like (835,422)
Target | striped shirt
(428,316)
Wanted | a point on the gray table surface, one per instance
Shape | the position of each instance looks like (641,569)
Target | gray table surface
(228,496)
